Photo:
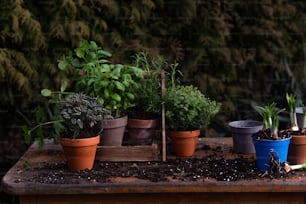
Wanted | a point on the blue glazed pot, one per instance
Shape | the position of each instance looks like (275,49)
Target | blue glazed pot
(263,147)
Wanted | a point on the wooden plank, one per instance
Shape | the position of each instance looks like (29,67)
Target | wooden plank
(162,198)
(128,153)
(53,152)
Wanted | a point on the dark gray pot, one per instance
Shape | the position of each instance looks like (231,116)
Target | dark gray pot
(299,116)
(242,131)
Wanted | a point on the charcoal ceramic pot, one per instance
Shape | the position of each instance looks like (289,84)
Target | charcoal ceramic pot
(299,116)
(242,131)
(113,131)
(141,131)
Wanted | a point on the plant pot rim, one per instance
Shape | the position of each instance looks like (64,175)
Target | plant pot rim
(114,123)
(298,139)
(142,123)
(246,124)
(190,133)
(80,141)
(271,140)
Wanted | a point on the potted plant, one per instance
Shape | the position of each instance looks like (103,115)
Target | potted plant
(187,111)
(143,118)
(242,135)
(115,85)
(81,114)
(297,147)
(270,139)
(78,118)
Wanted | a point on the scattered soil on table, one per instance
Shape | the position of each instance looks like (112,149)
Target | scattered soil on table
(208,168)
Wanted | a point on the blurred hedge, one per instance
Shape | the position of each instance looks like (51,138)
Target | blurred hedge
(240,53)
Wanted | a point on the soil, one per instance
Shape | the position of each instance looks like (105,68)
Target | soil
(210,167)
(266,134)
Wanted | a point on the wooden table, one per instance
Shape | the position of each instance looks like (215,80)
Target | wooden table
(131,191)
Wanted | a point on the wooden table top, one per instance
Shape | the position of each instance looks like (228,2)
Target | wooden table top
(34,156)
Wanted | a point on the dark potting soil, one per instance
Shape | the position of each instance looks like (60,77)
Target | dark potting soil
(266,134)
(200,169)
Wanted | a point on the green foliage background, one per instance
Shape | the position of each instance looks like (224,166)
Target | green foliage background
(240,53)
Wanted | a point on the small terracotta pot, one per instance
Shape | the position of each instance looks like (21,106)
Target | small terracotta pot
(80,153)
(141,131)
(184,142)
(297,150)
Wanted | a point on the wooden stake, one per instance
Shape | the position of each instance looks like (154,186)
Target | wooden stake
(164,144)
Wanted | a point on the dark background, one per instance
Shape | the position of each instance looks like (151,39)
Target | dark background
(240,53)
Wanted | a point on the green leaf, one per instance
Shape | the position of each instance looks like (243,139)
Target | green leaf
(93,45)
(64,86)
(62,65)
(117,70)
(103,83)
(80,53)
(106,93)
(130,96)
(116,97)
(26,134)
(46,92)
(80,123)
(105,53)
(75,63)
(119,86)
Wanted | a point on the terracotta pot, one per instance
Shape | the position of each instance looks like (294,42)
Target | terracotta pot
(113,131)
(242,131)
(297,150)
(80,153)
(184,142)
(141,131)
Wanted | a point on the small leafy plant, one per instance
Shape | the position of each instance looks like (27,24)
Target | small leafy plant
(81,114)
(270,114)
(115,85)
(187,108)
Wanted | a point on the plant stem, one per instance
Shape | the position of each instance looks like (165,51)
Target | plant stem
(46,123)
(293,120)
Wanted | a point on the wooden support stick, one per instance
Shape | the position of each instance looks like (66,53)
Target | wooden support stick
(164,144)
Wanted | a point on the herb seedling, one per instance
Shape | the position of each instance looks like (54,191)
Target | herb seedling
(270,117)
